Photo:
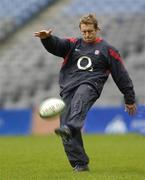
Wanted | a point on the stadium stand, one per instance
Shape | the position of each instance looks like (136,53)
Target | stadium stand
(16,13)
(110,7)
(29,74)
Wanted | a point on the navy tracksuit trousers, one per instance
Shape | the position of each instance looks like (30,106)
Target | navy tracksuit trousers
(78,102)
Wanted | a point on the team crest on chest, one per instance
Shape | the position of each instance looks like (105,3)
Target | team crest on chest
(97,52)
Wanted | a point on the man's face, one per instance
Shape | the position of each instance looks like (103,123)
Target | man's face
(89,33)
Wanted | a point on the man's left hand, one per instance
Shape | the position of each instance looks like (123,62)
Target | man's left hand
(131,109)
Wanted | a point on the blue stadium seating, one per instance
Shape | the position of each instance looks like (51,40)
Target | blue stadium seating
(105,7)
(21,11)
(18,13)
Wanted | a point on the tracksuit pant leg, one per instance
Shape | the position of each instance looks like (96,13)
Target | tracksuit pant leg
(78,102)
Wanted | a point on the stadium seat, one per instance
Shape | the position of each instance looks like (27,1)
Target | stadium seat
(19,12)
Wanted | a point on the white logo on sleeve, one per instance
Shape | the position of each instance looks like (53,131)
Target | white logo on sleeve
(85,63)
(76,49)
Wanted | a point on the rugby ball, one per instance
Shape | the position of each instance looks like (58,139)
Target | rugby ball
(51,107)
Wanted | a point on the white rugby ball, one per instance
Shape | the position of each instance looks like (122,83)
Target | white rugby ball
(51,107)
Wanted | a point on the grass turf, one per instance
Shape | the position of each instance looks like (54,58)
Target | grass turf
(112,157)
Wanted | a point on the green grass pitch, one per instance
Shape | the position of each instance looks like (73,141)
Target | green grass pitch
(112,157)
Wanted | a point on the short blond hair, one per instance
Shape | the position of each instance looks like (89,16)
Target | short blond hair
(89,19)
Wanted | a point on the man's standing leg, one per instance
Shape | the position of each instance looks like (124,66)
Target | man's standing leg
(78,103)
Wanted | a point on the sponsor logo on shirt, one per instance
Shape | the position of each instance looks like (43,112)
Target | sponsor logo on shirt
(88,63)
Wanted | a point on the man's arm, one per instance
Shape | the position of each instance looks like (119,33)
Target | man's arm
(53,44)
(122,80)
(43,34)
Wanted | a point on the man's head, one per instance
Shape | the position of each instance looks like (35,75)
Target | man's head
(89,27)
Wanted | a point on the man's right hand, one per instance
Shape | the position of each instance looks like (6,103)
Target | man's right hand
(43,34)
